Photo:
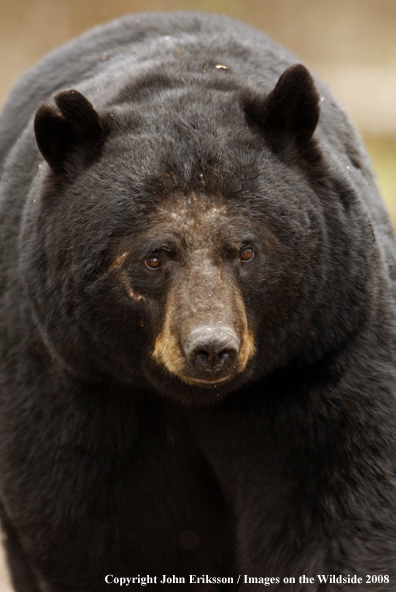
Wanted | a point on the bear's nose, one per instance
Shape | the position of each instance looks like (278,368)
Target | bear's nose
(212,350)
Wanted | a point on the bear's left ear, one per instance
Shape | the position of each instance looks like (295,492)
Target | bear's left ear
(288,116)
(68,125)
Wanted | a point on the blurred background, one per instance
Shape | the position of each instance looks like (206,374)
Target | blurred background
(351,44)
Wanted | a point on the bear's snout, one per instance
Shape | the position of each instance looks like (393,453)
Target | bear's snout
(212,351)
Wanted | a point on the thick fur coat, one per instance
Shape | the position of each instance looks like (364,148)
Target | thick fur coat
(197,319)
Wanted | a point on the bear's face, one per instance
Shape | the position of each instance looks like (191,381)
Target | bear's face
(162,250)
(196,263)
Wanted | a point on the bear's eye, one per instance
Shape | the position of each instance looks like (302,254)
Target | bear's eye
(153,262)
(247,254)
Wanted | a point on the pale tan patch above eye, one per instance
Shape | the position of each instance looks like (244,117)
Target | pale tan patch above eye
(191,217)
(122,276)
(117,263)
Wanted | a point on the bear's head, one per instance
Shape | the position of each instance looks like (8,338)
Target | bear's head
(191,238)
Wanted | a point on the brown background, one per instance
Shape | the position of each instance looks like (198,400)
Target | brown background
(350,43)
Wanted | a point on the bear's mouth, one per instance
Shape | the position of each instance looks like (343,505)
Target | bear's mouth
(205,382)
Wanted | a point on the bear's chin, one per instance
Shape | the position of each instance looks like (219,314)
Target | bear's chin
(198,393)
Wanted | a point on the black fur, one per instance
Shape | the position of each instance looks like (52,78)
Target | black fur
(110,464)
(71,126)
(288,116)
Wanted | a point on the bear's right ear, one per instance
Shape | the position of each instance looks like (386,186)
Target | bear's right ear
(68,125)
(288,116)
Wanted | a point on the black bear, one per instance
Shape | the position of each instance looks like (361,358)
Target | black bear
(198,321)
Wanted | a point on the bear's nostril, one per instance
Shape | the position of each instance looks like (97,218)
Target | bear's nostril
(213,361)
(200,358)
(226,358)
(212,351)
